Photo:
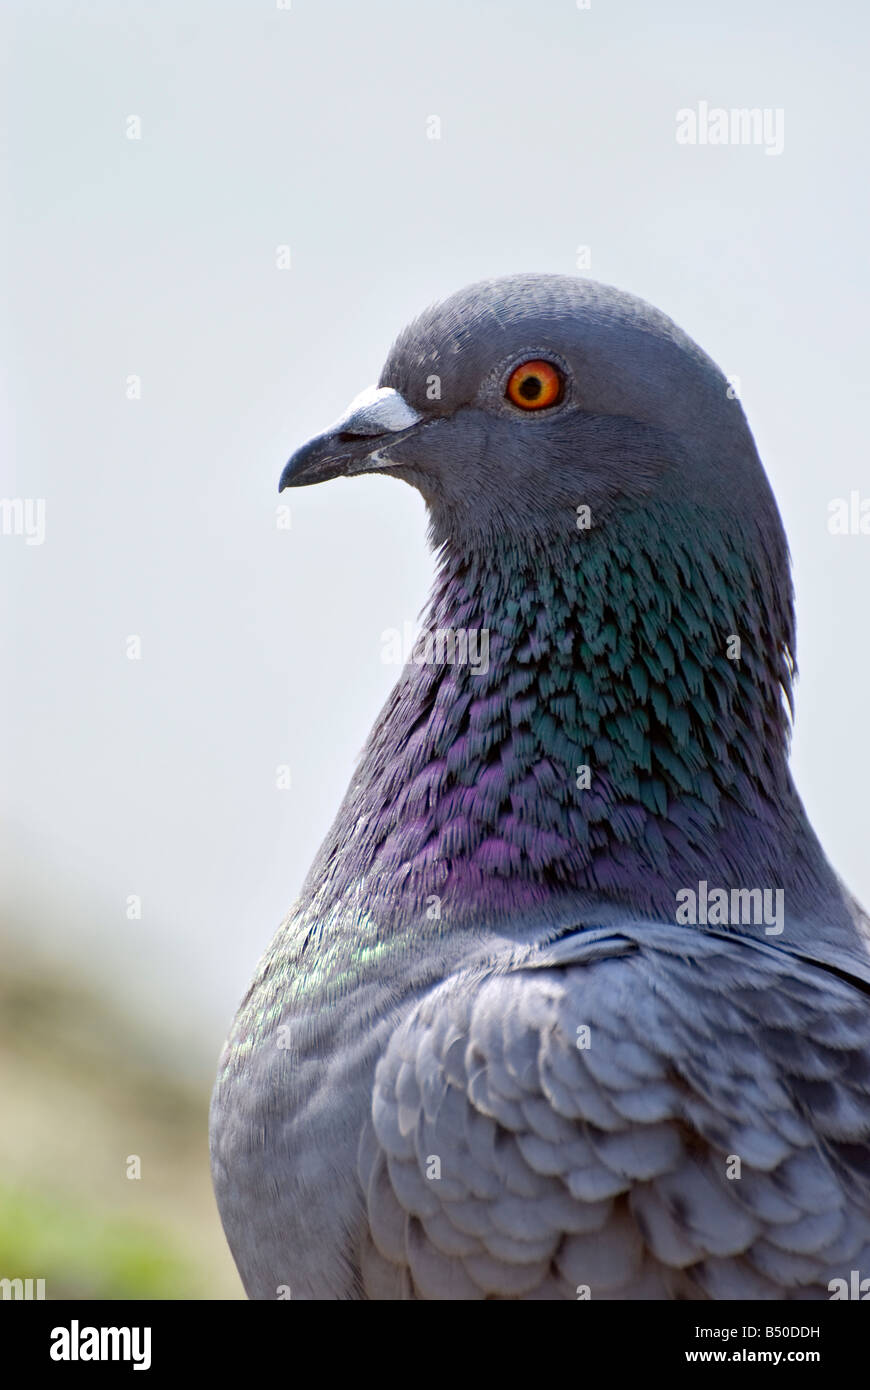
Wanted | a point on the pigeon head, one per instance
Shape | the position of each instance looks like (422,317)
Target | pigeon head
(516,401)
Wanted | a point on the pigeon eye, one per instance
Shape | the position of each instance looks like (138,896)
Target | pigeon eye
(534,385)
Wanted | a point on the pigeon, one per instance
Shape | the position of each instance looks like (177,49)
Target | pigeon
(572,1004)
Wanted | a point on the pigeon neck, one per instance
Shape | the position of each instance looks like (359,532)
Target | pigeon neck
(603,715)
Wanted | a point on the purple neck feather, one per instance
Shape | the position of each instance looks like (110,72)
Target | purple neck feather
(614,750)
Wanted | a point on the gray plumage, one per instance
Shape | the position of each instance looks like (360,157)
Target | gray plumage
(486,1055)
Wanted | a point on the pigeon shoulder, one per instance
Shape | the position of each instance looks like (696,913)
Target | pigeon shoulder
(645,1112)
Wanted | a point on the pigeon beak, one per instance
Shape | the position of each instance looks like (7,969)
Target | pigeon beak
(355,442)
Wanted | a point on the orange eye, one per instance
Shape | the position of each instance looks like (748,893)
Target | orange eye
(534,385)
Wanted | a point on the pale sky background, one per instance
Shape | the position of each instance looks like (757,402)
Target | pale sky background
(262,127)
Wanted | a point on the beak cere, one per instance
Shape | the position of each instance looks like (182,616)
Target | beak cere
(355,442)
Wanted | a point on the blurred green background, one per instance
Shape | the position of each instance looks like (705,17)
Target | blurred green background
(82,1087)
